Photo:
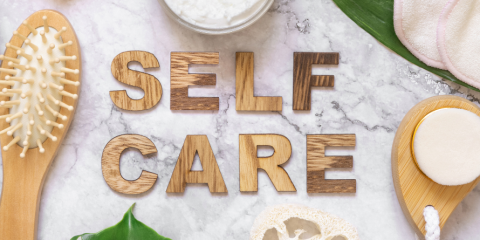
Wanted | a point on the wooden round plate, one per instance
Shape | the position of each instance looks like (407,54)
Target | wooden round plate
(414,190)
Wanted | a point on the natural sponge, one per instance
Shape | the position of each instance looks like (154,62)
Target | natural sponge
(275,217)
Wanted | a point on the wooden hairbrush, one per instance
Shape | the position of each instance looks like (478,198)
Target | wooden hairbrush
(39,83)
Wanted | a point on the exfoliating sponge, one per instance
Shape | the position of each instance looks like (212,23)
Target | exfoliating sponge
(458,39)
(415,23)
(275,217)
(447,146)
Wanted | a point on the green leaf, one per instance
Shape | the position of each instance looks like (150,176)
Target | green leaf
(376,17)
(127,229)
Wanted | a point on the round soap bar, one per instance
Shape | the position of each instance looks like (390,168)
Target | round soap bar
(447,146)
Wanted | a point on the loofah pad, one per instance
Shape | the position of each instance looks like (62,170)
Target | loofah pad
(275,217)
(459,45)
(415,23)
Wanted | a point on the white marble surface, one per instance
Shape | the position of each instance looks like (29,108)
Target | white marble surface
(374,89)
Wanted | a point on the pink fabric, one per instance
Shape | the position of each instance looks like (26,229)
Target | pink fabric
(397,23)
(442,25)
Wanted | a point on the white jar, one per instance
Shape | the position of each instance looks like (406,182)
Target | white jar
(216,16)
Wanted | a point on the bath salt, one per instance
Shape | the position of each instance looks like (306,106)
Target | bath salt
(216,13)
(447,146)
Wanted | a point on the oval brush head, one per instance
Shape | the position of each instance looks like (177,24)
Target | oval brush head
(39,86)
(35,85)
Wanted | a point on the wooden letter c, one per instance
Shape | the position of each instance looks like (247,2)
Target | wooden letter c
(111,164)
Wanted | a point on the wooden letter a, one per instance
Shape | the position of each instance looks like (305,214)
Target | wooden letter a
(183,174)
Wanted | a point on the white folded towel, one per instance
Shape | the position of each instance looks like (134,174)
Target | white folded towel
(459,39)
(442,33)
(415,23)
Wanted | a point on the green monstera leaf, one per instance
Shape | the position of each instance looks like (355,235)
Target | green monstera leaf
(376,17)
(127,229)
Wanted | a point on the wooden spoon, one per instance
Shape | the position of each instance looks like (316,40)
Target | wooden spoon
(414,190)
(23,178)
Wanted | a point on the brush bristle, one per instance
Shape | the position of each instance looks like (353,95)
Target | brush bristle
(37,81)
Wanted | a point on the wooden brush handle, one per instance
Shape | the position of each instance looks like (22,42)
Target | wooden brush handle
(22,186)
(23,178)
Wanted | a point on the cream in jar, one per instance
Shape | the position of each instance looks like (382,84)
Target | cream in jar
(216,13)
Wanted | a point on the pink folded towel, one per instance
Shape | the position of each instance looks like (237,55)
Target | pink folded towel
(415,23)
(442,33)
(459,39)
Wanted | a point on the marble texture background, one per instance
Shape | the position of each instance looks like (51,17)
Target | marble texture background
(374,89)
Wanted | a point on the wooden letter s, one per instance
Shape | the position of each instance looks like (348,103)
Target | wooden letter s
(148,83)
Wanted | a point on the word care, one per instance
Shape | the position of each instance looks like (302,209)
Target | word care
(249,161)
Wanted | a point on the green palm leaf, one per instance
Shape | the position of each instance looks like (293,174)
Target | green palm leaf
(127,229)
